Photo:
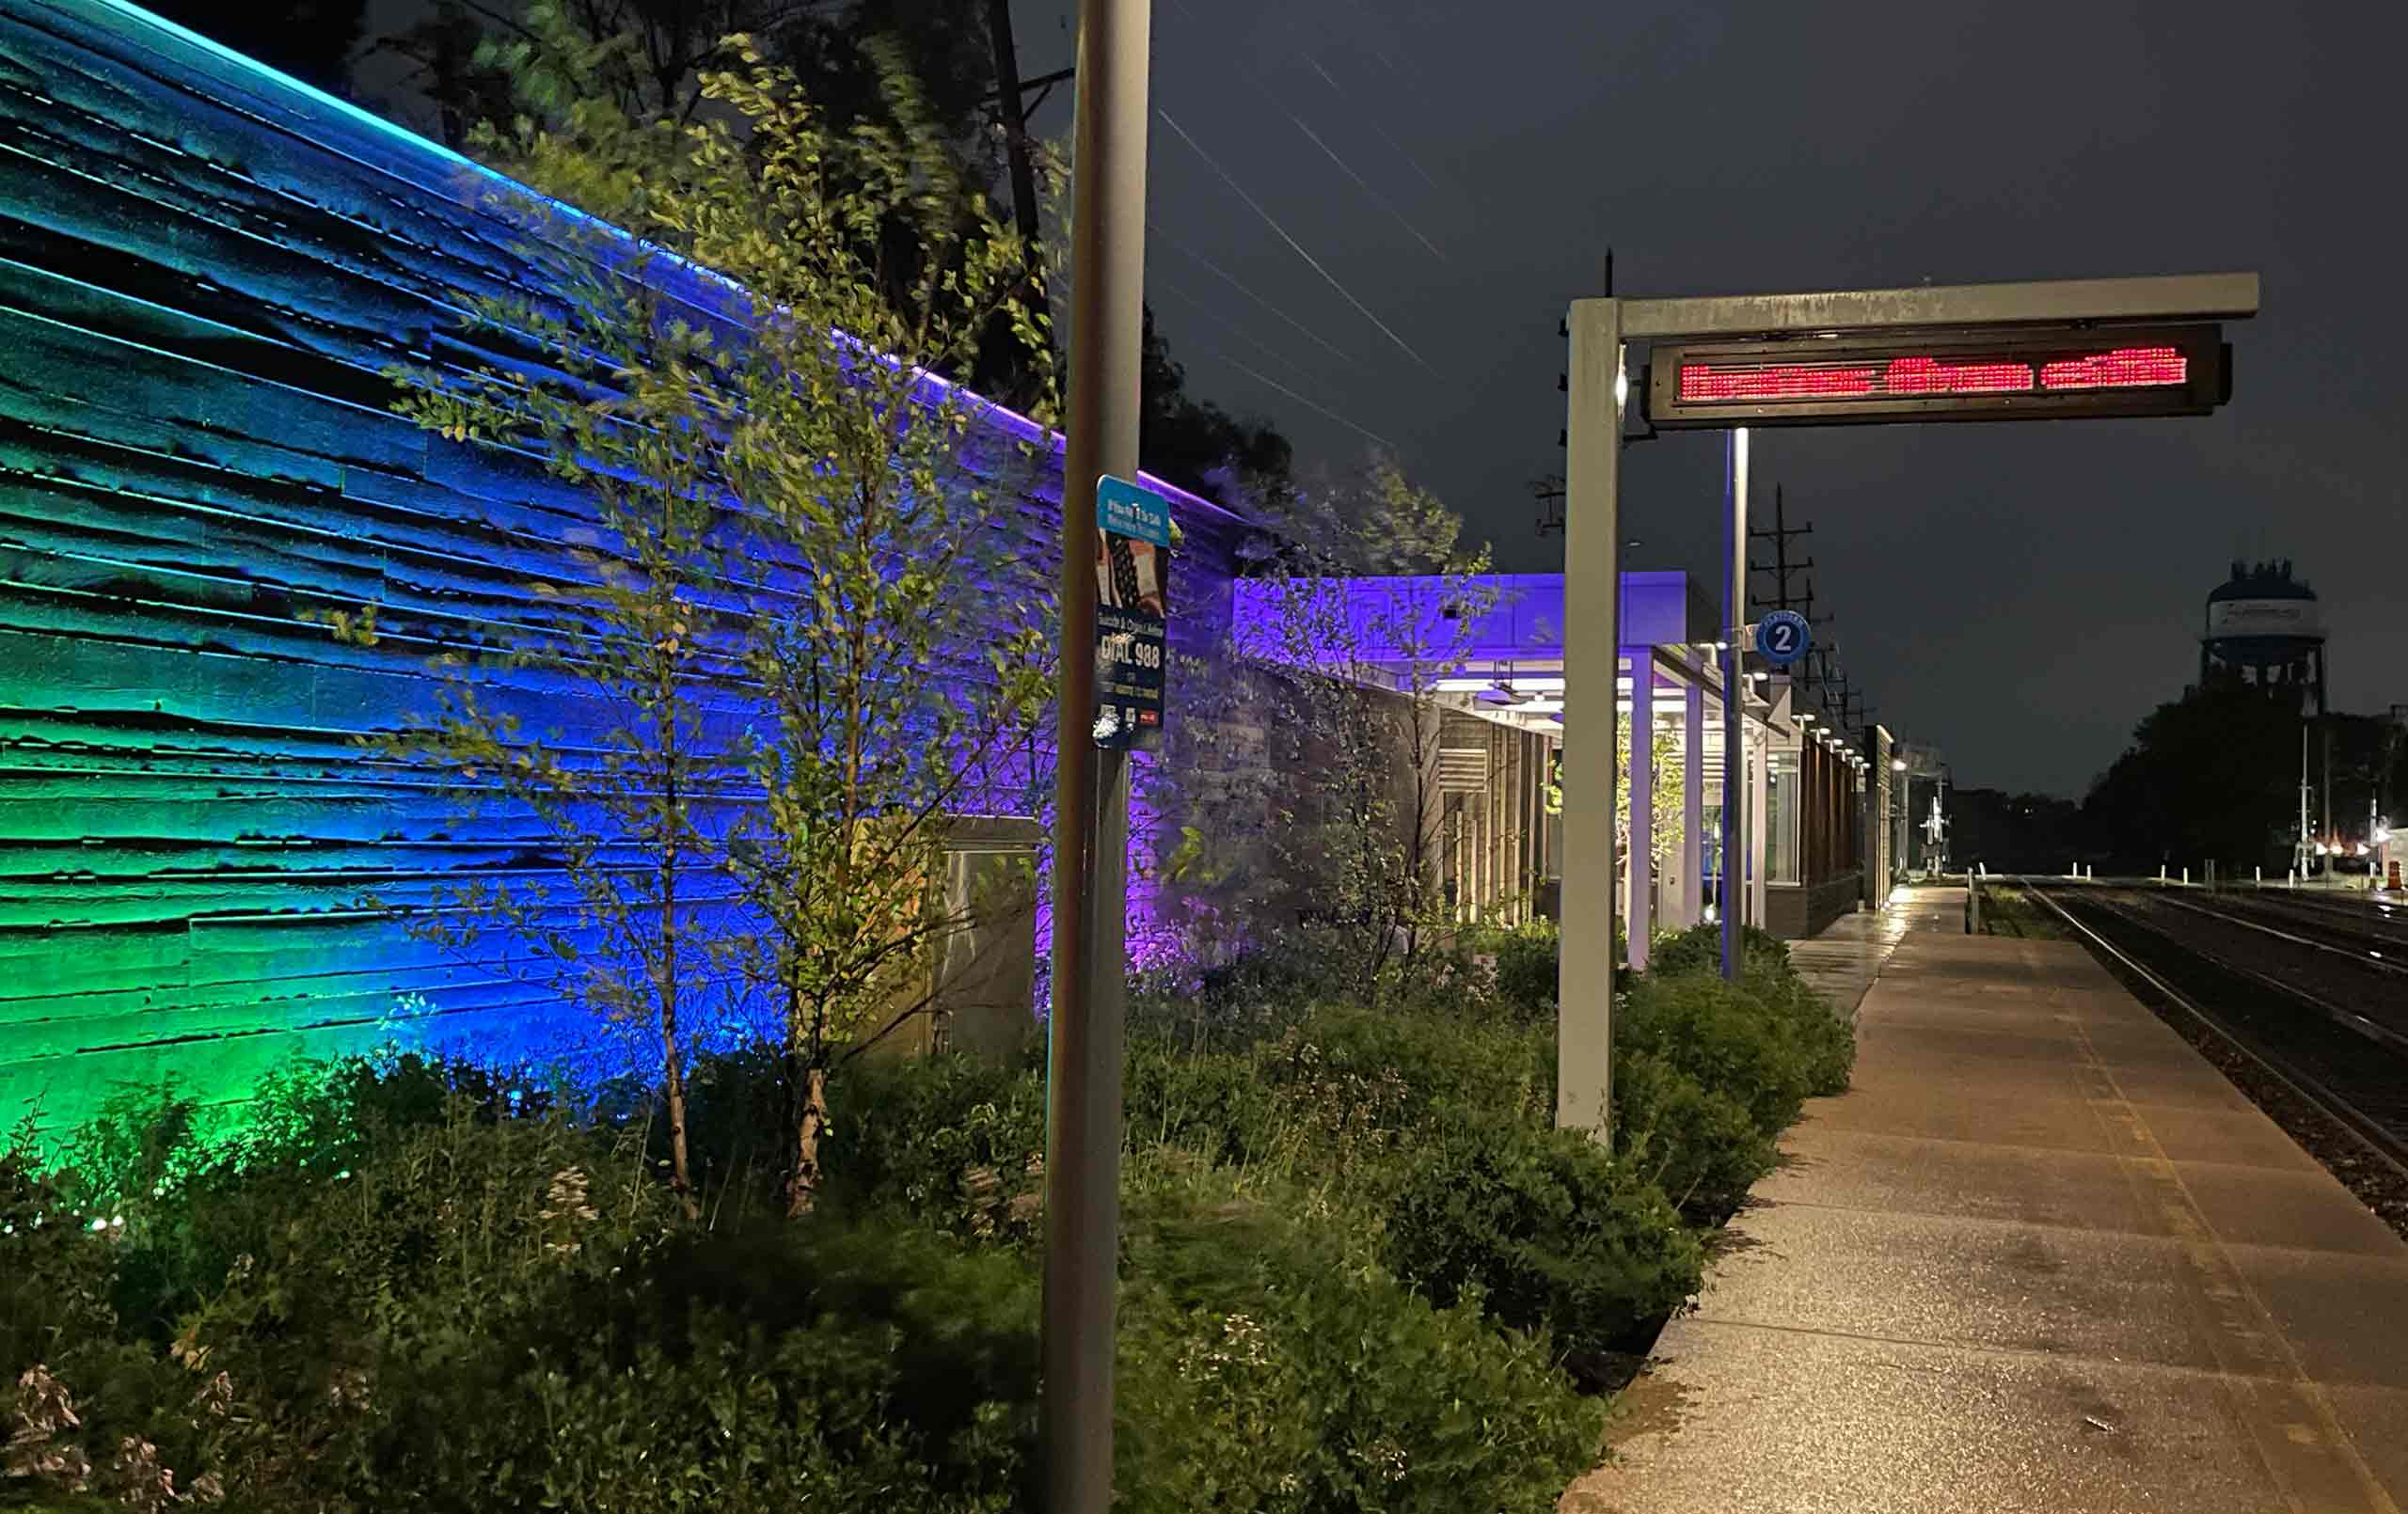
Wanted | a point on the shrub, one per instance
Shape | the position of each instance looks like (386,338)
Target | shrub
(1444,974)
(1824,1043)
(956,1140)
(1698,1144)
(510,1314)
(1699,949)
(1217,1105)
(1268,1361)
(1723,1035)
(1528,963)
(1545,1228)
(1433,1060)
(1232,1002)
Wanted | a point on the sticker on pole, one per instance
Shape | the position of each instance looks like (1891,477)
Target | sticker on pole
(1131,612)
(1783,637)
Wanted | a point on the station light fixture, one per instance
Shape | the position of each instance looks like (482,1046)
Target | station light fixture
(1897,764)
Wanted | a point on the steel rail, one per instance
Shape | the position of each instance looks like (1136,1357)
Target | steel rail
(2387,1148)
(2365,959)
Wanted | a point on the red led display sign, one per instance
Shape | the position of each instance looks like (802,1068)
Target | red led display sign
(2028,374)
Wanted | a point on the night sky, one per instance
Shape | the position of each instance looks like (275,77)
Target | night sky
(2018,595)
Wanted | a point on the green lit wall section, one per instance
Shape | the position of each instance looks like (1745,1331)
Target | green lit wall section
(204,268)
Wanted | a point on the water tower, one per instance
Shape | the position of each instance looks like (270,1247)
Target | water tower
(2264,629)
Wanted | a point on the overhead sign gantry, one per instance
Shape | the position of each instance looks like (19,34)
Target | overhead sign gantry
(2049,351)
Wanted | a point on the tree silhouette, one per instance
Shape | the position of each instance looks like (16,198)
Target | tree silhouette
(310,39)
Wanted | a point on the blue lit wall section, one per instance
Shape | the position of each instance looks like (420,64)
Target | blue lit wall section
(205,268)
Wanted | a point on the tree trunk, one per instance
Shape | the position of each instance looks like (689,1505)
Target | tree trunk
(1008,107)
(672,1065)
(803,1188)
(679,1179)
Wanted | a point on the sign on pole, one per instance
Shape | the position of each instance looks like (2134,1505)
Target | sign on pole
(1131,612)
(1783,637)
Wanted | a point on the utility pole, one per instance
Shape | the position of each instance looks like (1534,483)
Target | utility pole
(1011,109)
(1090,784)
(2327,726)
(1779,536)
(2303,801)
(1734,763)
(1550,494)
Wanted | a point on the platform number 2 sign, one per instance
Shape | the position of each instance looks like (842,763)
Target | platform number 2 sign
(1782,638)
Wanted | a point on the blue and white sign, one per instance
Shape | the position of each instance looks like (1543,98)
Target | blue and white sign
(1125,508)
(1783,637)
(1131,612)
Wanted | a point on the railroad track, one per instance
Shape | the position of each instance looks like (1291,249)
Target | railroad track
(2252,991)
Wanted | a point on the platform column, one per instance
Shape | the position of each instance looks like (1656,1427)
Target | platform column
(1592,603)
(1759,792)
(1640,915)
(1692,803)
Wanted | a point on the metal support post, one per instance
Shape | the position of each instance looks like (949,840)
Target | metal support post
(1735,765)
(1091,787)
(1758,752)
(1641,911)
(1592,658)
(1692,803)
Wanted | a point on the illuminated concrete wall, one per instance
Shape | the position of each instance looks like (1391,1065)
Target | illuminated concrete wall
(205,269)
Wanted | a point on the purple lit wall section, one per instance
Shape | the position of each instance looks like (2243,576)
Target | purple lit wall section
(1524,622)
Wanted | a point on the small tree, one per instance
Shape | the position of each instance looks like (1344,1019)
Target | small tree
(1318,761)
(1665,788)
(814,601)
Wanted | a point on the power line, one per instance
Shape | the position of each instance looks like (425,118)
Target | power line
(1411,162)
(1235,283)
(1167,287)
(1317,408)
(1269,220)
(1374,195)
(1328,152)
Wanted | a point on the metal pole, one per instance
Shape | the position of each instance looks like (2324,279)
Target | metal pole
(2303,799)
(1091,787)
(1591,663)
(2328,785)
(1639,908)
(1692,801)
(1734,771)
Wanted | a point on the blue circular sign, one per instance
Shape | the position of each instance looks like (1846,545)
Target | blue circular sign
(1783,637)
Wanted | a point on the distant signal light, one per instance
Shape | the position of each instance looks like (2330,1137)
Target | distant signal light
(1943,376)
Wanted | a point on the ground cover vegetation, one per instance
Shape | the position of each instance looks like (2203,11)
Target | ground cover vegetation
(1360,1267)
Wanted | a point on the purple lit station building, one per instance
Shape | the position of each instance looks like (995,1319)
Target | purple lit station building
(1817,805)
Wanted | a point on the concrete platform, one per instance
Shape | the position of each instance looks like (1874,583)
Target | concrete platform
(1842,961)
(2041,1257)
